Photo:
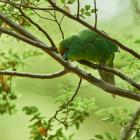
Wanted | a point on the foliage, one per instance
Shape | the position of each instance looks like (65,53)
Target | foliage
(11,60)
(106,136)
(119,116)
(71,115)
(87,11)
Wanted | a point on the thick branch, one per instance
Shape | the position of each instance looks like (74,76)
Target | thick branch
(27,40)
(114,71)
(135,54)
(34,75)
(126,132)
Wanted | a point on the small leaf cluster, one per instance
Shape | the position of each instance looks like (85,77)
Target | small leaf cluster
(118,116)
(59,135)
(11,60)
(7,102)
(137,41)
(13,13)
(121,117)
(39,124)
(77,110)
(67,1)
(105,136)
(39,129)
(87,11)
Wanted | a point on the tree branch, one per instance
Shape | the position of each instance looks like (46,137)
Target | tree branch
(26,40)
(34,75)
(132,52)
(112,70)
(126,132)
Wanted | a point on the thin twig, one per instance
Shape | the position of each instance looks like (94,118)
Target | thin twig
(126,132)
(59,24)
(34,75)
(64,105)
(95,7)
(43,17)
(78,8)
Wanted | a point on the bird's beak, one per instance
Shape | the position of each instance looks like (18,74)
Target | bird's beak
(64,56)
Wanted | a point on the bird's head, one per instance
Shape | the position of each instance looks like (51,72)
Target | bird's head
(68,47)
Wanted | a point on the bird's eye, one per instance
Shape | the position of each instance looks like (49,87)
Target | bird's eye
(67,49)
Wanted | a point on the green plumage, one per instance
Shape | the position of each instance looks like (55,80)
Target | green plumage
(90,46)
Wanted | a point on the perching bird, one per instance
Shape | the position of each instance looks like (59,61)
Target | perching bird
(92,47)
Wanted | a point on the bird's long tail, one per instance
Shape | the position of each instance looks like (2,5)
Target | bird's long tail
(107,76)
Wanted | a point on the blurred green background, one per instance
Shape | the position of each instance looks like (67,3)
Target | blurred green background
(119,20)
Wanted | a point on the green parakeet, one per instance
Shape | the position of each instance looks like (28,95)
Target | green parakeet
(90,46)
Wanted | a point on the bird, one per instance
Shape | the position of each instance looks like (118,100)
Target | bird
(89,46)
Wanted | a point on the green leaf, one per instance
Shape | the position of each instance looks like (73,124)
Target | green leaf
(99,137)
(137,134)
(71,1)
(87,13)
(63,1)
(137,41)
(59,132)
(77,125)
(30,110)
(93,10)
(108,135)
(87,7)
(82,10)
